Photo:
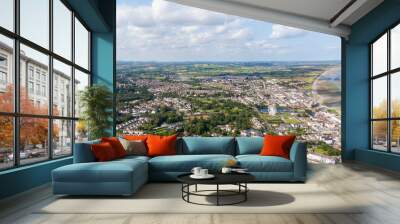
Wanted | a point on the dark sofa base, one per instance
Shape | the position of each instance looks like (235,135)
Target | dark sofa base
(87,188)
(260,176)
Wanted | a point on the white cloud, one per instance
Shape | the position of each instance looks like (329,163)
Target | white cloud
(167,31)
(261,44)
(190,29)
(168,13)
(162,28)
(175,14)
(280,32)
(201,38)
(134,16)
(240,34)
(221,29)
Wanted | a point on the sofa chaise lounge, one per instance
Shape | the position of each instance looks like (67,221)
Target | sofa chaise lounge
(125,176)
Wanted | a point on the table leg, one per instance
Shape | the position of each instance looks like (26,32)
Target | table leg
(188,189)
(182,190)
(217,194)
(245,193)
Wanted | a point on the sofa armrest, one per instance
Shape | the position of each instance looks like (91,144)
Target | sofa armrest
(298,155)
(83,152)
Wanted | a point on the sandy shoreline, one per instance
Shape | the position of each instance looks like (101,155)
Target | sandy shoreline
(327,87)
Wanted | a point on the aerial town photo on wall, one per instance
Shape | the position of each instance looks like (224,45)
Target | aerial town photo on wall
(226,75)
(234,99)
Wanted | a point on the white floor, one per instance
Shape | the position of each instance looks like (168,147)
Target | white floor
(377,190)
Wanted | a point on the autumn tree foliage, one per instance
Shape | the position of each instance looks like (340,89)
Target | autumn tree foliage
(380,127)
(6,132)
(33,131)
(6,122)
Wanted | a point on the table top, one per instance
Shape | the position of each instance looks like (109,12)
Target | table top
(220,178)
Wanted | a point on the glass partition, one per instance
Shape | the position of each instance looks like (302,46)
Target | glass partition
(34,21)
(385,92)
(39,80)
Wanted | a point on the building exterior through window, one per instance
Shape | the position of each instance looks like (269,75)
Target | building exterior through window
(38,87)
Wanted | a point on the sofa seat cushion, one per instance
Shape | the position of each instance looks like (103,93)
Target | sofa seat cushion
(112,171)
(133,157)
(185,163)
(257,163)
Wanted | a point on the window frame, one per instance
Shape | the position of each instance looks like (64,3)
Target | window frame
(16,114)
(388,74)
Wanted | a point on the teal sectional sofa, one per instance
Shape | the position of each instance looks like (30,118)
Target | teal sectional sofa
(125,176)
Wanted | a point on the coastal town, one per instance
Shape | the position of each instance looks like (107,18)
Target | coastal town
(279,104)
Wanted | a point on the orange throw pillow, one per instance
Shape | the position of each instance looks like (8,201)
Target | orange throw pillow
(161,145)
(135,137)
(103,152)
(116,145)
(275,145)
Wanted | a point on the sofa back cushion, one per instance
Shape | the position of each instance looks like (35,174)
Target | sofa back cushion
(83,152)
(277,145)
(208,145)
(134,147)
(249,145)
(116,145)
(161,145)
(135,137)
(104,152)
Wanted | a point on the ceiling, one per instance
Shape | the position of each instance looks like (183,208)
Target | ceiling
(333,17)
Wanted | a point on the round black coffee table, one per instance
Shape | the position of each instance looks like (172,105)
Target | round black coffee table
(238,179)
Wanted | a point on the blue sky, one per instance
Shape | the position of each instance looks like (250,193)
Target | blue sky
(158,30)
